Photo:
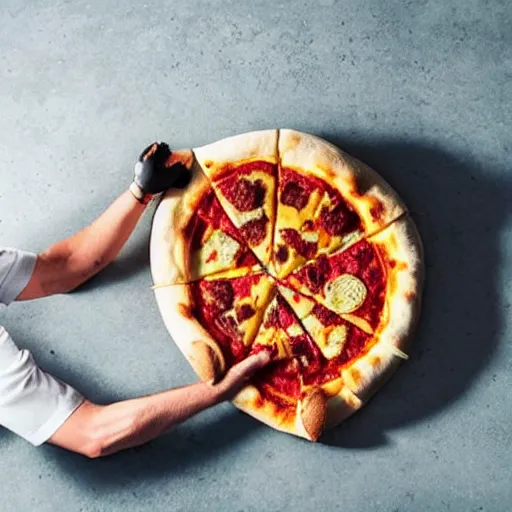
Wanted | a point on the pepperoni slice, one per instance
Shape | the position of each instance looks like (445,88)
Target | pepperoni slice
(255,230)
(245,195)
(293,239)
(294,195)
(219,294)
(339,221)
(244,312)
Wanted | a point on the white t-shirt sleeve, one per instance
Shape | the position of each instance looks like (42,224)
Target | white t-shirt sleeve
(16,268)
(33,404)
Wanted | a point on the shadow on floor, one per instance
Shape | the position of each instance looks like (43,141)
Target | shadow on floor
(460,211)
(171,455)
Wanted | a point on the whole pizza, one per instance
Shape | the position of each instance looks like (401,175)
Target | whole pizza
(283,242)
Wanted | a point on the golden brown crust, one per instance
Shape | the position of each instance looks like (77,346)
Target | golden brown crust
(245,147)
(207,360)
(402,244)
(340,406)
(197,345)
(313,413)
(372,198)
(169,248)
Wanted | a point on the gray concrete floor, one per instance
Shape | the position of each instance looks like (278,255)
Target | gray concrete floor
(420,90)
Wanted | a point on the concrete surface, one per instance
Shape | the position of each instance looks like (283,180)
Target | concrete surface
(420,90)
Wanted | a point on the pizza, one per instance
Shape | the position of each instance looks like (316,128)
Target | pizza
(282,242)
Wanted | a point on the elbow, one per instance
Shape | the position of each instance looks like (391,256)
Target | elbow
(103,440)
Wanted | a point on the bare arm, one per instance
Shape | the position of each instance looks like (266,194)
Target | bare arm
(69,263)
(95,430)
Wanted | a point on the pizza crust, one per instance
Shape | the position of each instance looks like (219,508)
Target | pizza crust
(306,419)
(402,244)
(372,198)
(169,250)
(245,147)
(196,344)
(172,260)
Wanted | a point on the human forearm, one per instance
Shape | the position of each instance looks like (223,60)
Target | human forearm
(95,430)
(135,422)
(97,245)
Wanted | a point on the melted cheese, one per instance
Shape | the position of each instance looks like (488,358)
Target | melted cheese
(294,330)
(334,342)
(289,217)
(218,253)
(302,307)
(244,217)
(345,294)
(330,340)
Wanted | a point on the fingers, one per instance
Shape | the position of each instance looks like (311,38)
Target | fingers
(253,363)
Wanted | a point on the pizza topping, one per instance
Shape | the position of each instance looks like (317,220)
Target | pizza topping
(325,316)
(293,239)
(255,230)
(219,294)
(339,221)
(281,377)
(244,194)
(244,312)
(212,257)
(317,273)
(223,246)
(282,253)
(345,294)
(294,195)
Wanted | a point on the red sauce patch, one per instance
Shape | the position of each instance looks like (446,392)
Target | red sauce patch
(377,211)
(326,316)
(235,171)
(244,312)
(243,285)
(212,257)
(357,343)
(282,376)
(245,195)
(293,239)
(361,260)
(255,230)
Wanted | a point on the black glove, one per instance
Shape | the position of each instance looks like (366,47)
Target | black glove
(153,176)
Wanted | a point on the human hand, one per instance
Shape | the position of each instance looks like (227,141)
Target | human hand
(236,378)
(156,172)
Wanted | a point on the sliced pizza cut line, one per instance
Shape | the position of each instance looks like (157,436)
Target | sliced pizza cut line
(390,266)
(327,200)
(243,173)
(192,237)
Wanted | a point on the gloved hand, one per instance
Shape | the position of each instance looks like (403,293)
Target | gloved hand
(155,172)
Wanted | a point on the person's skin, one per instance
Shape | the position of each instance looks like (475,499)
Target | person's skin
(96,430)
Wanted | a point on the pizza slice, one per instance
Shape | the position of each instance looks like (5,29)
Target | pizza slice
(282,333)
(243,171)
(326,200)
(192,237)
(372,284)
(303,391)
(338,340)
(214,321)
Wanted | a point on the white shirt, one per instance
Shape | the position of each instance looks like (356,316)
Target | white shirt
(33,404)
